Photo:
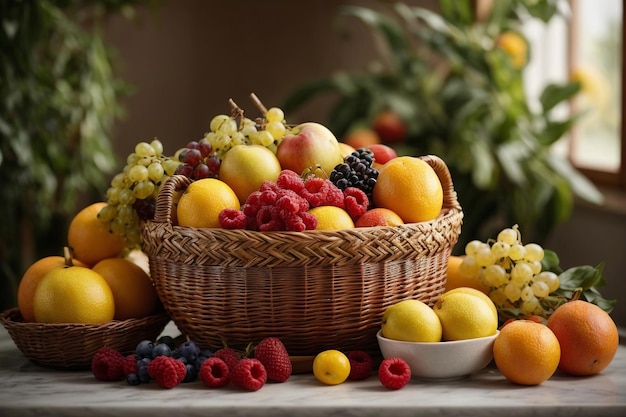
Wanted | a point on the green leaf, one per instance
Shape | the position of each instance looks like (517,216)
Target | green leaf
(554,94)
(543,9)
(581,185)
(554,130)
(583,277)
(551,262)
(458,12)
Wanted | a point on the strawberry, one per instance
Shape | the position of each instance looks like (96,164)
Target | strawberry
(271,352)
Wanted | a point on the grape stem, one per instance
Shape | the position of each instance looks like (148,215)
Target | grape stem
(259,105)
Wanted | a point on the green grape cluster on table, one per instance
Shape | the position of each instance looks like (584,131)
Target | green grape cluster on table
(512,271)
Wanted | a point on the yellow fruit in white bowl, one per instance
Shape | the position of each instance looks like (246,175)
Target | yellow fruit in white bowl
(412,321)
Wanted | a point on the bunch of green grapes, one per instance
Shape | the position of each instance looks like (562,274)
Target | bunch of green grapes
(225,132)
(512,271)
(132,195)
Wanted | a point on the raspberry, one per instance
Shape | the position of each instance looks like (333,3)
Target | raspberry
(249,374)
(290,180)
(130,365)
(271,352)
(167,371)
(108,365)
(230,218)
(394,373)
(214,372)
(361,365)
(228,355)
(356,202)
(322,192)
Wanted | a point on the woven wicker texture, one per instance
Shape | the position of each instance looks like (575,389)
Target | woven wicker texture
(315,290)
(72,346)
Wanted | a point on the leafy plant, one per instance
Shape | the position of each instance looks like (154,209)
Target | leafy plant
(457,82)
(59,98)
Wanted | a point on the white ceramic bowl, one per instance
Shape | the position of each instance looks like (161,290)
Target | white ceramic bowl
(441,361)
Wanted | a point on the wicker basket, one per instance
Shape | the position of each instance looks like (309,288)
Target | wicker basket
(315,290)
(72,346)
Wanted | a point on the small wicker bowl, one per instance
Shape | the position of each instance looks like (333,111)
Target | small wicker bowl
(72,346)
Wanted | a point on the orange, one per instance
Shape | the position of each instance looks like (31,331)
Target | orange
(73,295)
(455,278)
(410,187)
(201,204)
(133,292)
(31,279)
(588,337)
(378,216)
(331,218)
(245,167)
(515,46)
(361,137)
(526,352)
(90,239)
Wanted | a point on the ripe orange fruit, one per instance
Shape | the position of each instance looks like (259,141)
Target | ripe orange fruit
(201,204)
(455,278)
(361,137)
(410,187)
(133,292)
(378,216)
(331,218)
(245,167)
(31,279)
(526,352)
(73,295)
(588,337)
(90,239)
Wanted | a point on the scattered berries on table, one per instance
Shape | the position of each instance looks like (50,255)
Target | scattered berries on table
(249,374)
(271,352)
(394,373)
(214,372)
(108,365)
(361,365)
(167,371)
(228,355)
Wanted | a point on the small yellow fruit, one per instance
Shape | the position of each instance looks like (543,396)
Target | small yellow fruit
(475,292)
(411,321)
(201,204)
(331,218)
(331,367)
(465,316)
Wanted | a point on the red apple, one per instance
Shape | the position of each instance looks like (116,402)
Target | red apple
(382,153)
(308,145)
(389,127)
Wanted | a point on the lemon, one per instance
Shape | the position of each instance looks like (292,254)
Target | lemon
(201,204)
(331,218)
(465,316)
(475,292)
(73,294)
(411,321)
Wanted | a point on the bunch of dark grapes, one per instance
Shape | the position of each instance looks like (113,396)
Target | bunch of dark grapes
(356,171)
(198,160)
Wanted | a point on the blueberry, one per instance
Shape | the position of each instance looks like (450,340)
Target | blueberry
(143,375)
(168,340)
(189,350)
(161,349)
(133,379)
(144,349)
(192,373)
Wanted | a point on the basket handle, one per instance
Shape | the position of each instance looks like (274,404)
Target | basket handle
(441,169)
(165,200)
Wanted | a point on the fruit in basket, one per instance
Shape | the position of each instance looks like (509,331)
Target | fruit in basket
(526,352)
(410,187)
(357,171)
(245,167)
(588,337)
(331,367)
(466,316)
(31,278)
(90,239)
(202,202)
(345,149)
(382,153)
(378,216)
(73,294)
(133,292)
(309,145)
(411,321)
(331,218)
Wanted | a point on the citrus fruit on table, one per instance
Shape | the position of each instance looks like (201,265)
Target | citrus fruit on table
(31,278)
(526,352)
(588,336)
(90,239)
(410,187)
(411,321)
(331,367)
(245,167)
(133,292)
(73,295)
(466,316)
(455,277)
(201,204)
(331,218)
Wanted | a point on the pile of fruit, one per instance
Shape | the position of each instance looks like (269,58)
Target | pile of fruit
(266,175)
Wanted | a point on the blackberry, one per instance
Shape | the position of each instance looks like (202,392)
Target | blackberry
(356,171)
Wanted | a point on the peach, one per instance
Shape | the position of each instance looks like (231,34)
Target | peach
(378,216)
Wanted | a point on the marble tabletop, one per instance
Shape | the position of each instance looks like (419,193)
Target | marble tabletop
(27,389)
